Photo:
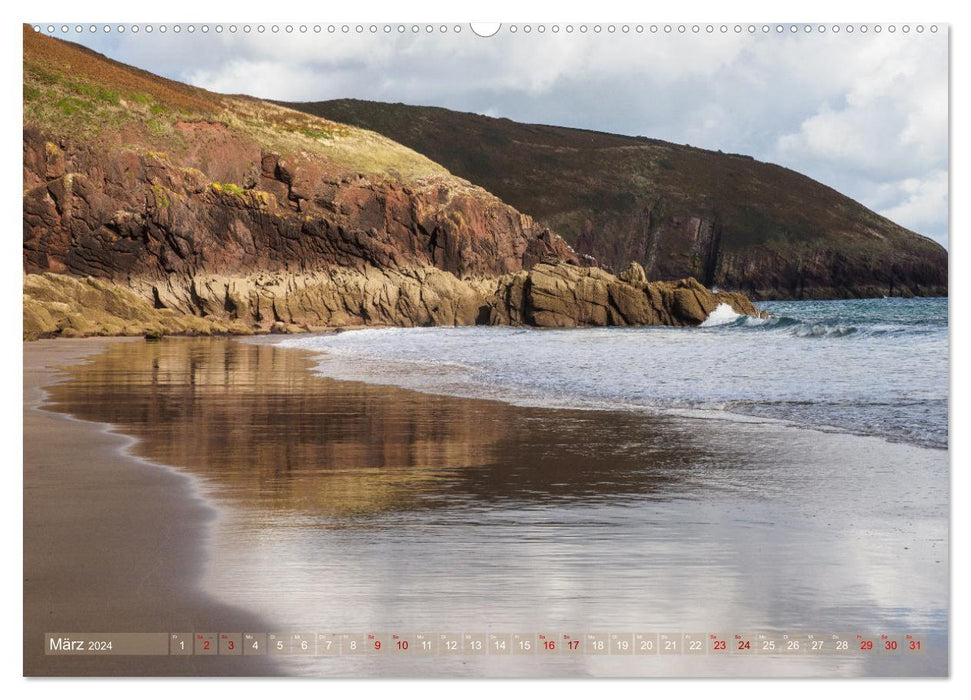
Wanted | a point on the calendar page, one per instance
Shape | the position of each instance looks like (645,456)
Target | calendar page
(423,350)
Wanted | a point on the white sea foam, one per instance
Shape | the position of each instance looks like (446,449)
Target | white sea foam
(722,314)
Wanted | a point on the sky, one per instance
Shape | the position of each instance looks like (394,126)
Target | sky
(863,112)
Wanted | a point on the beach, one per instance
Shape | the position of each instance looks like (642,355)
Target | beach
(348,365)
(111,543)
(346,507)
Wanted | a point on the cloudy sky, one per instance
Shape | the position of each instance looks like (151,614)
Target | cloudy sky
(866,113)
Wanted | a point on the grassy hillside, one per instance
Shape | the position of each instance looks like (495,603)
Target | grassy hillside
(724,218)
(73,92)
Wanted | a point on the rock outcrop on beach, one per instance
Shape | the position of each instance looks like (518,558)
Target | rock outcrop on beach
(566,296)
(556,295)
(154,207)
(725,219)
(72,307)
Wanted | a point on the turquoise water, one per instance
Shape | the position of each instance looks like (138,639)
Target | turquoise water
(868,367)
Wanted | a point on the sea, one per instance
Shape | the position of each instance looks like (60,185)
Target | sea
(869,367)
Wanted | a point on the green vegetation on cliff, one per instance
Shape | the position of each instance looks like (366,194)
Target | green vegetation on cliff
(74,92)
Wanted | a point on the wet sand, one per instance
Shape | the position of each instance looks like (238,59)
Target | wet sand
(348,507)
(112,543)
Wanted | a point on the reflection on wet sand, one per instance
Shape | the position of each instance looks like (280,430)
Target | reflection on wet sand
(254,419)
(355,507)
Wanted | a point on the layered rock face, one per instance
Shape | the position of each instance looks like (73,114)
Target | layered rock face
(157,201)
(556,295)
(124,215)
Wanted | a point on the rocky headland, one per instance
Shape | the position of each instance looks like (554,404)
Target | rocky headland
(154,207)
(724,218)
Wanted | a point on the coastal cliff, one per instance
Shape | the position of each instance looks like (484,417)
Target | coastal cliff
(724,218)
(152,206)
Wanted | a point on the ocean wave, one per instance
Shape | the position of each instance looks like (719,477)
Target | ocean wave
(823,330)
(728,320)
(722,315)
(722,320)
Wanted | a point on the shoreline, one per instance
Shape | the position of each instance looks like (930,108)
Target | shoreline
(129,531)
(700,414)
(379,474)
(297,331)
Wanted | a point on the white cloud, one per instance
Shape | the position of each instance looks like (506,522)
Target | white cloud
(889,115)
(922,201)
(251,77)
(880,132)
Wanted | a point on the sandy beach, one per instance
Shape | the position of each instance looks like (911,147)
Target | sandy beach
(111,542)
(339,365)
(346,507)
